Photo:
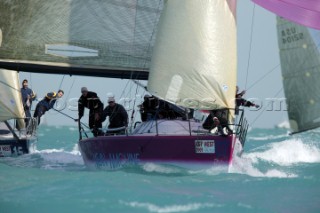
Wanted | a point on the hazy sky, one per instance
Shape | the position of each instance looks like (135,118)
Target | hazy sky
(259,75)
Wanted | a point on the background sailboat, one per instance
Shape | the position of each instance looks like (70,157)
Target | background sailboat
(15,137)
(300,65)
(10,101)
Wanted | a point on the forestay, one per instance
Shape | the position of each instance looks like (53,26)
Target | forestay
(194,61)
(300,64)
(84,37)
(10,97)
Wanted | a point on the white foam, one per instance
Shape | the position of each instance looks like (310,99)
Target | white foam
(172,208)
(54,158)
(73,129)
(287,153)
(284,124)
(270,137)
(246,166)
(151,167)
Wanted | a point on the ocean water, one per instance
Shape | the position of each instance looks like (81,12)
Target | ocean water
(276,173)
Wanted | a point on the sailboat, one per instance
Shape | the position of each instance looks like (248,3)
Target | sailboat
(186,71)
(300,65)
(15,138)
(188,57)
(186,49)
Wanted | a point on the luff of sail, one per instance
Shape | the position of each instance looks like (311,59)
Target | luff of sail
(194,60)
(300,64)
(10,97)
(81,37)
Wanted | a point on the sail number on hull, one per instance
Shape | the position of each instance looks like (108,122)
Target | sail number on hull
(204,146)
(5,151)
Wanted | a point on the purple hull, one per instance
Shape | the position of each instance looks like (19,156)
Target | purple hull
(201,151)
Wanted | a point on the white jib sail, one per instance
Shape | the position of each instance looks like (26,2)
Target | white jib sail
(194,61)
(10,97)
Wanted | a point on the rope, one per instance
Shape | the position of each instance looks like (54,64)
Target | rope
(74,79)
(60,86)
(264,76)
(266,107)
(134,103)
(68,116)
(251,35)
(30,78)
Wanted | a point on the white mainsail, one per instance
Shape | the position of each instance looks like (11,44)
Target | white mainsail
(194,60)
(81,37)
(10,97)
(300,64)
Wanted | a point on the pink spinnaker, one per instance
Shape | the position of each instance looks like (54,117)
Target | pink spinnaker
(304,12)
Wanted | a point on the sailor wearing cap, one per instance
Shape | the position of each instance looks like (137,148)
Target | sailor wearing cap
(118,117)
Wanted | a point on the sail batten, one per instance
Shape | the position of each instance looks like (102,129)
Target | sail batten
(300,65)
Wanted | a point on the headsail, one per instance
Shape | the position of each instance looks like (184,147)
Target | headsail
(10,97)
(82,37)
(194,60)
(300,64)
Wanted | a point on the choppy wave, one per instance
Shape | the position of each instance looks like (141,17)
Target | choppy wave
(277,158)
(152,167)
(288,152)
(171,208)
(57,159)
(268,137)
(246,166)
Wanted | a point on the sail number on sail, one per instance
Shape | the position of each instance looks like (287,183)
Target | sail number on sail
(291,35)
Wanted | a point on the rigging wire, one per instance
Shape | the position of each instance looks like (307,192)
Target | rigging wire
(259,115)
(145,61)
(61,82)
(251,35)
(263,77)
(74,79)
(30,78)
